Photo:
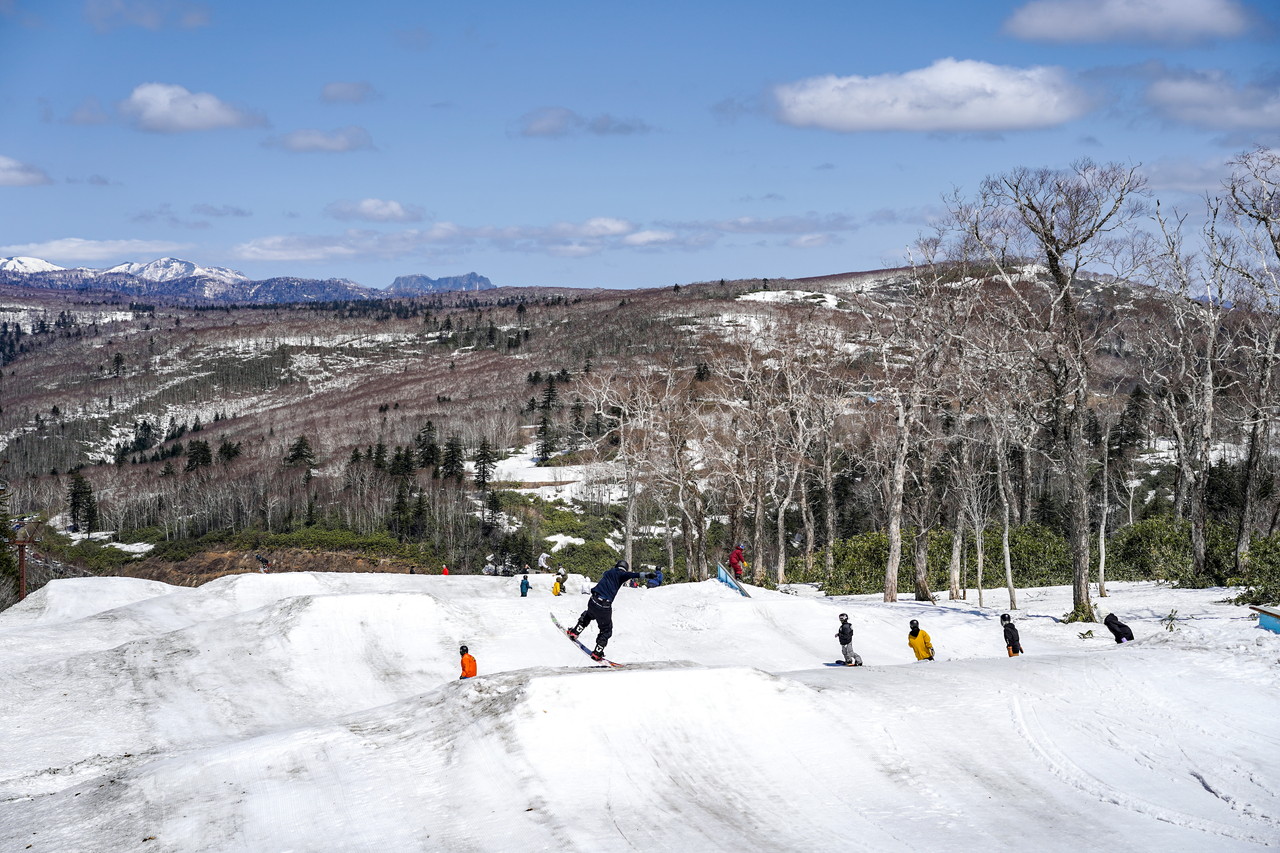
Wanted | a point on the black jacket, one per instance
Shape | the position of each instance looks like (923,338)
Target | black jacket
(1011,638)
(1118,629)
(610,582)
(845,634)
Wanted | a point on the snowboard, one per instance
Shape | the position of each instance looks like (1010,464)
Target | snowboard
(586,651)
(839,663)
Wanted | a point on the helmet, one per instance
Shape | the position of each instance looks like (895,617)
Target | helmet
(914,624)
(1005,617)
(844,617)
(622,564)
(462,650)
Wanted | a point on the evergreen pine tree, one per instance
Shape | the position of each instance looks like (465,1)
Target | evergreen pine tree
(428,448)
(453,462)
(300,453)
(485,460)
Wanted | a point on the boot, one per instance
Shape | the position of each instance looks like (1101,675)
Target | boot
(598,654)
(575,631)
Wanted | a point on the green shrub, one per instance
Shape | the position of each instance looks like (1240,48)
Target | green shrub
(1262,572)
(1160,549)
(591,559)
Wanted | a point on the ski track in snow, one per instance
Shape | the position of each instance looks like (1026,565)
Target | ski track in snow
(320,712)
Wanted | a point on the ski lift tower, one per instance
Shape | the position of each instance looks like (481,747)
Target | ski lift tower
(26,532)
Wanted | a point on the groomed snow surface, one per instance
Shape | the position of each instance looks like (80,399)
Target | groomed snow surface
(322,712)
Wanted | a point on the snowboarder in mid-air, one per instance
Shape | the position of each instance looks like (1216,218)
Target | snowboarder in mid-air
(919,642)
(1012,642)
(845,636)
(1122,632)
(600,607)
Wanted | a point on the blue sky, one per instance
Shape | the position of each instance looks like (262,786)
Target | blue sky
(589,144)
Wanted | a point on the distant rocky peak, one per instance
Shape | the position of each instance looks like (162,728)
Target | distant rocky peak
(412,285)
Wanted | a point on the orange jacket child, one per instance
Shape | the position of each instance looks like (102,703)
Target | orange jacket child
(468,664)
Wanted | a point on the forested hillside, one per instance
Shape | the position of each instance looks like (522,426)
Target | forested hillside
(1066,383)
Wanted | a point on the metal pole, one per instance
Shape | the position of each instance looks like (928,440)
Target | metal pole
(22,570)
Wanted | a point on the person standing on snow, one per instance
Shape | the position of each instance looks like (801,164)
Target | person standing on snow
(737,562)
(919,642)
(1011,640)
(544,564)
(845,636)
(1122,632)
(468,664)
(600,607)
(524,586)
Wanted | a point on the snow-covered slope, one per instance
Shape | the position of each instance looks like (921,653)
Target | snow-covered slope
(27,265)
(171,269)
(316,712)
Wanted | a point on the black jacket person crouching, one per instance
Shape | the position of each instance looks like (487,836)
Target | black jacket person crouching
(1122,632)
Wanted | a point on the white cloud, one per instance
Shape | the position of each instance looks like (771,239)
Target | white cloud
(168,108)
(220,210)
(106,15)
(1212,101)
(350,138)
(17,174)
(347,93)
(1128,20)
(949,95)
(375,210)
(649,237)
(71,249)
(553,122)
(812,241)
(550,121)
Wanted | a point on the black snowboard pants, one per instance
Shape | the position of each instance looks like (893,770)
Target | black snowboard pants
(601,612)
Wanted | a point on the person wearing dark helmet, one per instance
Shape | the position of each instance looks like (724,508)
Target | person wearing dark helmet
(1012,642)
(468,664)
(845,636)
(919,642)
(600,607)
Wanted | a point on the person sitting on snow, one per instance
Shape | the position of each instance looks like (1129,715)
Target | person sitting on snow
(468,664)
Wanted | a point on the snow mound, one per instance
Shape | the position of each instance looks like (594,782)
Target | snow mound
(323,712)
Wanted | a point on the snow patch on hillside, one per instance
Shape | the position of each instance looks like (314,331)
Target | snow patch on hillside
(791,297)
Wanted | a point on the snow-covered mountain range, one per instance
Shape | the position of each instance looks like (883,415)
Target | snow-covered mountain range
(171,269)
(183,281)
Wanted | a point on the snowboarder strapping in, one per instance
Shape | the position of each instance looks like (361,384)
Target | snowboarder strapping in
(468,664)
(919,642)
(600,607)
(845,636)
(1122,632)
(1011,640)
